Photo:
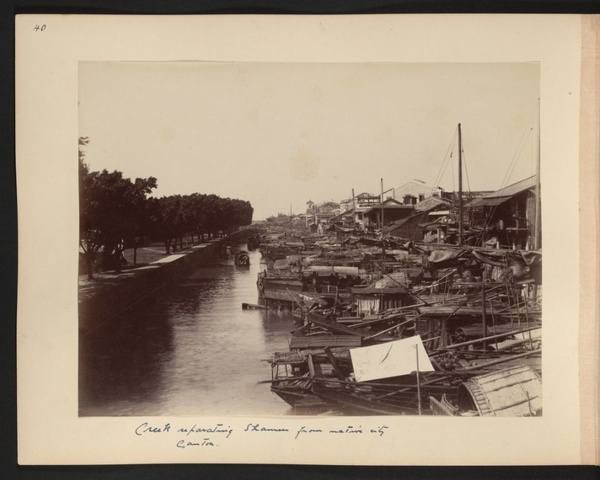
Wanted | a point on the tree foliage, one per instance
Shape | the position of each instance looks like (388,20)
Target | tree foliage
(117,213)
(197,215)
(112,212)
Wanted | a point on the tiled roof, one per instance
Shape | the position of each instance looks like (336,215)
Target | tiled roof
(504,194)
(514,188)
(429,203)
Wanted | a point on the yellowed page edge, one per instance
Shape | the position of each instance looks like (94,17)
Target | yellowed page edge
(46,99)
(590,225)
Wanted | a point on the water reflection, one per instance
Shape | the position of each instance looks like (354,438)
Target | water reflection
(120,363)
(191,350)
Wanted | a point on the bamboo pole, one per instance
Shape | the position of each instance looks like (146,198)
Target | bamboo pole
(449,246)
(443,376)
(418,380)
(334,364)
(516,343)
(491,337)
(278,380)
(391,328)
(354,216)
(382,209)
(483,310)
(311,365)
(538,202)
(437,282)
(496,362)
(460,199)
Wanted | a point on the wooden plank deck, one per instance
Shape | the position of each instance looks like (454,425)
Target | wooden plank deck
(325,341)
(334,326)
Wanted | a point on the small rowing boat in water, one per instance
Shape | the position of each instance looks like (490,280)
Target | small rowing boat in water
(242,258)
(252,306)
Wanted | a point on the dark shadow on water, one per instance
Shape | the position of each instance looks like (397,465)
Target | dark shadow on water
(278,322)
(185,349)
(121,362)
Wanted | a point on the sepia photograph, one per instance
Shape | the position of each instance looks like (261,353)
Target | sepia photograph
(309,239)
(306,240)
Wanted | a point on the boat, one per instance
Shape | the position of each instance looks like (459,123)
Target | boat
(252,306)
(242,258)
(474,308)
(291,380)
(253,241)
(510,392)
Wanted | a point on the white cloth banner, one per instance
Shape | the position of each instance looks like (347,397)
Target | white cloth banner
(368,306)
(390,359)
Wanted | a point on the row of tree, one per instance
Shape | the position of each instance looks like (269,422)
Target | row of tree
(117,213)
(195,216)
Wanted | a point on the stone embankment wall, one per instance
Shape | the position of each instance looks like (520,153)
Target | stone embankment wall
(112,294)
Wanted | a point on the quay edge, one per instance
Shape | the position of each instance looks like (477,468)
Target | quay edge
(130,287)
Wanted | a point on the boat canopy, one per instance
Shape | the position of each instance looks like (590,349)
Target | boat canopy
(326,270)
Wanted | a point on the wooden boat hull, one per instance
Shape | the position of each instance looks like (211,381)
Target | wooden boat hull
(511,392)
(242,259)
(359,403)
(299,399)
(252,306)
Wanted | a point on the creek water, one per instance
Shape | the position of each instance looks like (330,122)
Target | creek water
(189,350)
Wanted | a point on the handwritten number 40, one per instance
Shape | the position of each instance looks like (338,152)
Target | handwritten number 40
(40,28)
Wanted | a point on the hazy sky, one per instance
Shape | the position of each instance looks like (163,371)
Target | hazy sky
(280,134)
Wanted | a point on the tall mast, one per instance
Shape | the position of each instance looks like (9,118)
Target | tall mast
(538,203)
(354,207)
(382,244)
(460,196)
(382,207)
